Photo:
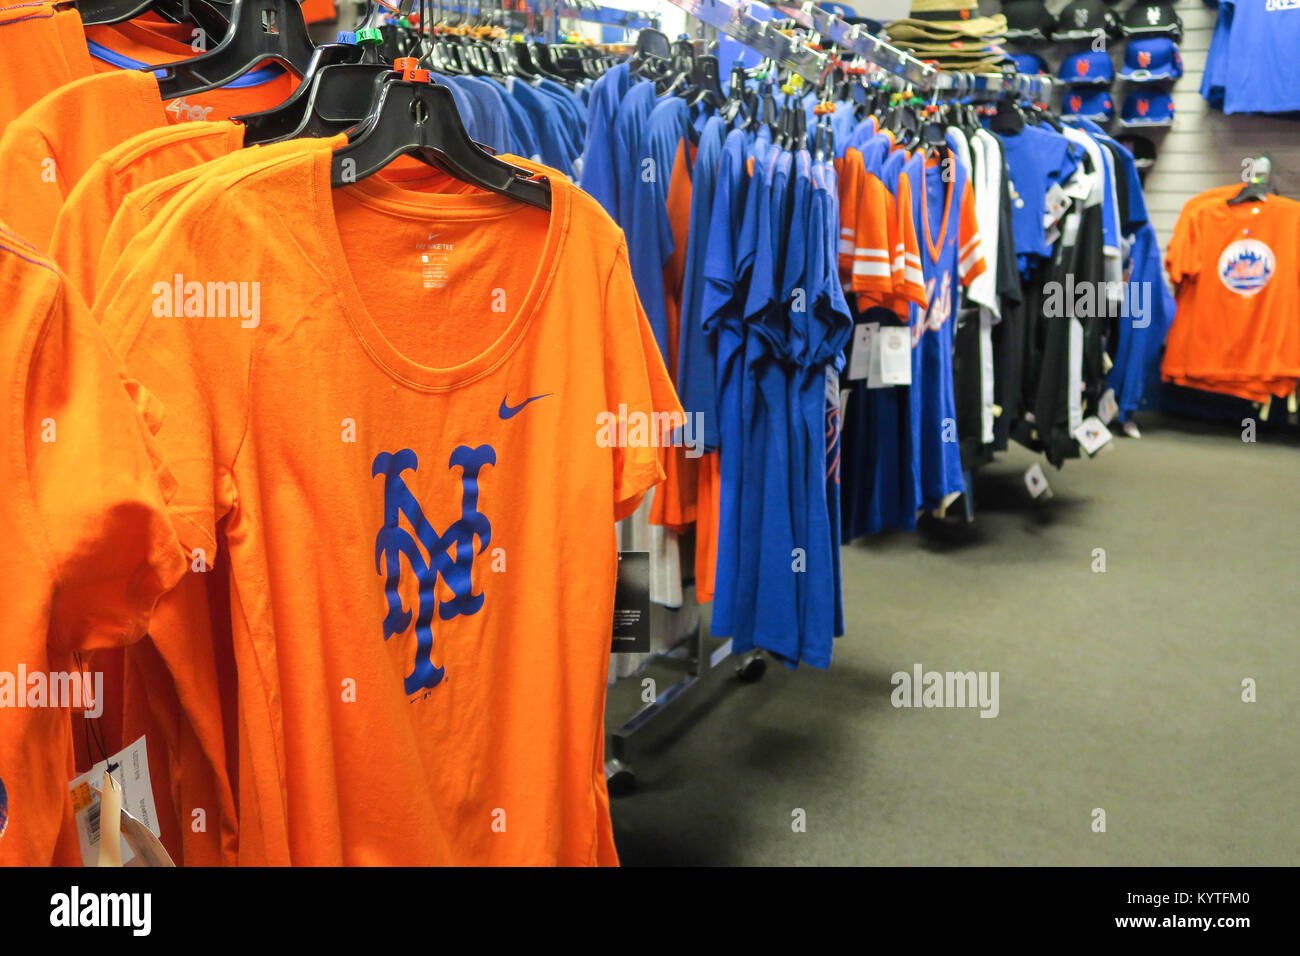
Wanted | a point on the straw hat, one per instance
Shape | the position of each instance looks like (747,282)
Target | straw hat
(946,20)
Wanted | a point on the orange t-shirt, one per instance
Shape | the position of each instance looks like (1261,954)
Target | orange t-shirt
(394,372)
(88,541)
(317,11)
(41,48)
(44,152)
(147,42)
(202,731)
(1236,318)
(87,213)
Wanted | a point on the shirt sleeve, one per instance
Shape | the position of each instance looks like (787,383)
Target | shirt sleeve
(1180,257)
(636,383)
(913,288)
(878,254)
(97,482)
(198,370)
(970,254)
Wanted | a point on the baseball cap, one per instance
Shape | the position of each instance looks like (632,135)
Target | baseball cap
(1029,64)
(1095,105)
(1088,68)
(1151,58)
(1151,18)
(1142,108)
(1028,20)
(1143,150)
(1083,19)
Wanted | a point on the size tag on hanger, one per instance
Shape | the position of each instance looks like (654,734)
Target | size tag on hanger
(832,387)
(1036,481)
(860,356)
(1092,434)
(896,355)
(131,771)
(632,604)
(1107,407)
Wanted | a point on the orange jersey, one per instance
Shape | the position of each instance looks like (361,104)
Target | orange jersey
(420,679)
(1236,315)
(88,541)
(45,152)
(41,48)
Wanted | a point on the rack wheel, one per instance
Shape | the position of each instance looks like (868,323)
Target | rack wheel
(621,783)
(752,670)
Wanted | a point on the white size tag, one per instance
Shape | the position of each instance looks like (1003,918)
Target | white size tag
(1092,434)
(1036,481)
(873,360)
(1080,186)
(832,387)
(1107,407)
(844,404)
(860,356)
(896,355)
(131,771)
(1055,203)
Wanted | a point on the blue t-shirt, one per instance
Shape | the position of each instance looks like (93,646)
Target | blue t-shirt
(720,317)
(1036,158)
(599,171)
(1261,75)
(490,125)
(548,122)
(648,228)
(629,128)
(696,362)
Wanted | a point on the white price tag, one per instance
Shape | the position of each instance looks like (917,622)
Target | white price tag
(896,355)
(131,771)
(832,387)
(1107,407)
(1036,481)
(1092,434)
(860,357)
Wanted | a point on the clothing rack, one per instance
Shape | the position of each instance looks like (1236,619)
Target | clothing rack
(760,36)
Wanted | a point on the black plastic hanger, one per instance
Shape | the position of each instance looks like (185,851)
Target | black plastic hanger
(1008,120)
(652,53)
(200,12)
(415,118)
(706,82)
(260,30)
(1251,192)
(284,119)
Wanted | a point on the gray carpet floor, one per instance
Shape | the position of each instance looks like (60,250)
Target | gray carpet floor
(1119,691)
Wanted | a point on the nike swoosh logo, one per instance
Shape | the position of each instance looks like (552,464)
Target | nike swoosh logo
(506,411)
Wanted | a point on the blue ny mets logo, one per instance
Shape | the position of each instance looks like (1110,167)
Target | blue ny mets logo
(394,542)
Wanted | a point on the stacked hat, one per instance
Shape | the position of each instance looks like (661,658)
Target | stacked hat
(1087,68)
(1028,21)
(1143,150)
(1143,108)
(1030,64)
(1096,105)
(1148,18)
(1084,19)
(952,33)
(1149,59)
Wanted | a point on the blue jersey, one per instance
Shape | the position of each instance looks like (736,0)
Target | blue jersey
(943,203)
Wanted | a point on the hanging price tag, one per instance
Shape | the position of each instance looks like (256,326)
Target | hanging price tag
(1036,481)
(860,356)
(896,355)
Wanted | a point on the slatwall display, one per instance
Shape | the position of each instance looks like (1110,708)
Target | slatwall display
(1204,147)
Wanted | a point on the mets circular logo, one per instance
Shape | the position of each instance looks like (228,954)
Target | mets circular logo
(1246,266)
(4,808)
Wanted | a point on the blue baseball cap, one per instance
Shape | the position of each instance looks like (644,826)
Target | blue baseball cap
(1029,64)
(1142,108)
(1095,105)
(1151,58)
(1089,68)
